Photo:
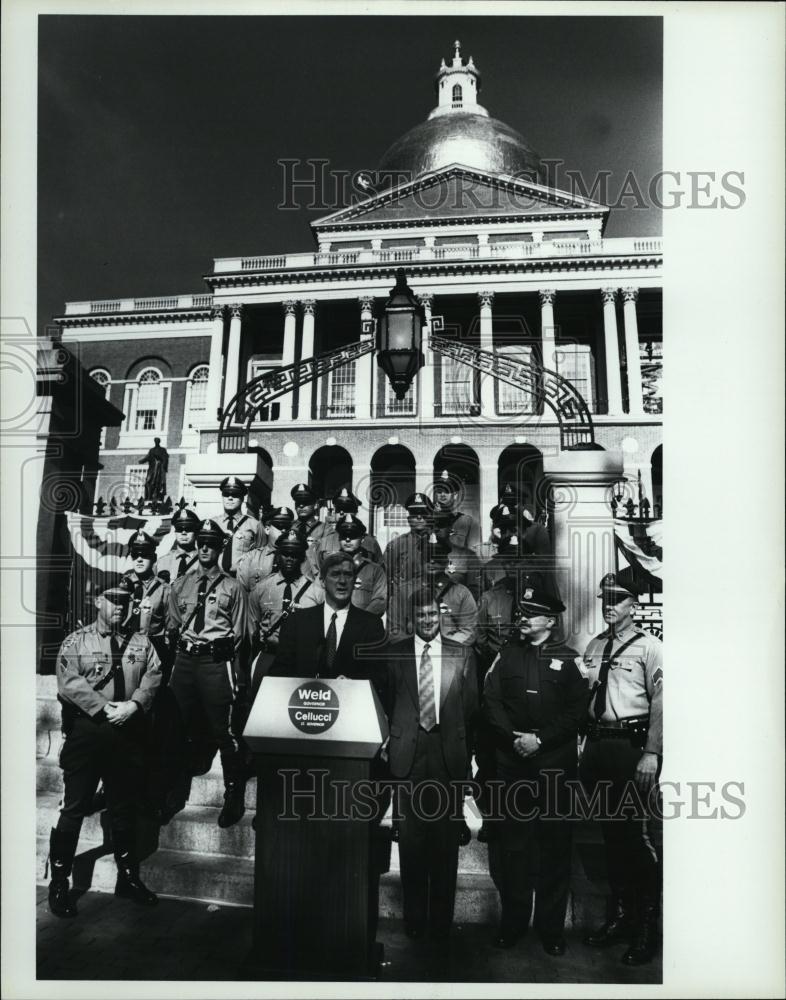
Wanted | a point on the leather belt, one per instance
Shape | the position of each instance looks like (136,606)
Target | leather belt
(195,648)
(634,728)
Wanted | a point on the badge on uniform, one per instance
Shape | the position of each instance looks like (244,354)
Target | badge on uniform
(556,665)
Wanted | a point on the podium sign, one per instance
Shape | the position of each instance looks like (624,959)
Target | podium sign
(315,883)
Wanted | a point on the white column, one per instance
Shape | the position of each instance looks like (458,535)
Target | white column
(635,395)
(288,353)
(489,495)
(365,368)
(486,300)
(427,372)
(306,351)
(233,354)
(613,379)
(548,333)
(215,365)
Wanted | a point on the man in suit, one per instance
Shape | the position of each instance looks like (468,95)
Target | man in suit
(434,702)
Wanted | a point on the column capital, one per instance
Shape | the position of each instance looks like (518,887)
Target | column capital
(217,312)
(236,309)
(486,299)
(547,296)
(309,305)
(366,303)
(630,294)
(608,294)
(426,299)
(290,306)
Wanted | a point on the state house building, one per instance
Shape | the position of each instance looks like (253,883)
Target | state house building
(510,272)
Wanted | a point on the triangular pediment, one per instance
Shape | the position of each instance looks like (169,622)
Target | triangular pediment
(460,193)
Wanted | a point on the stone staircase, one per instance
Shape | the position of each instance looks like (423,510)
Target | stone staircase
(193,858)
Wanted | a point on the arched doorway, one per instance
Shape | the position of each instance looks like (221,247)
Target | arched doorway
(656,466)
(392,481)
(463,467)
(330,470)
(521,465)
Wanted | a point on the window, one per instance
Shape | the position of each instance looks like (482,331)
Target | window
(197,396)
(651,358)
(457,94)
(575,363)
(146,406)
(457,387)
(261,364)
(103,378)
(510,399)
(405,406)
(341,391)
(135,481)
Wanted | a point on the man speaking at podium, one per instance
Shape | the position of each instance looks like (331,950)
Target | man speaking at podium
(334,639)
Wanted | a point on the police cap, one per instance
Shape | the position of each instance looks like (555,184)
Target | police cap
(186,520)
(445,483)
(233,487)
(281,518)
(619,586)
(292,543)
(115,588)
(419,501)
(538,601)
(503,513)
(209,531)
(302,494)
(140,543)
(345,502)
(508,495)
(349,526)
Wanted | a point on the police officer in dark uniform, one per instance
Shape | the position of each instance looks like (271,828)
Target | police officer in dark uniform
(405,561)
(506,559)
(465,529)
(534,700)
(624,748)
(370,591)
(243,532)
(182,557)
(106,683)
(207,609)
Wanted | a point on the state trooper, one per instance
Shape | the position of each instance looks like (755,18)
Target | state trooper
(458,611)
(258,564)
(106,683)
(465,529)
(405,560)
(534,701)
(624,749)
(182,557)
(149,593)
(275,598)
(307,507)
(242,531)
(464,563)
(345,502)
(207,609)
(370,591)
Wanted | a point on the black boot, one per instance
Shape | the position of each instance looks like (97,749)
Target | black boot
(129,884)
(234,803)
(618,927)
(644,944)
(62,848)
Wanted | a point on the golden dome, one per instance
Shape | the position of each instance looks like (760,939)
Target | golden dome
(472,140)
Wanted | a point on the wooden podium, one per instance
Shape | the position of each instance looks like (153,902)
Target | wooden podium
(315,887)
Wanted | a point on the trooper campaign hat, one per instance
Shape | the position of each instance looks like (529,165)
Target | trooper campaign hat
(302,493)
(281,517)
(186,520)
(618,586)
(349,526)
(115,588)
(140,543)
(419,501)
(233,487)
(210,531)
(291,542)
(345,502)
(536,601)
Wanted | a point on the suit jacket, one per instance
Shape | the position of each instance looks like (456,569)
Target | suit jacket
(360,654)
(458,706)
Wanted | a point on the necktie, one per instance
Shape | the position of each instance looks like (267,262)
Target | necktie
(287,596)
(226,557)
(330,642)
(181,568)
(428,709)
(134,619)
(118,680)
(600,695)
(199,618)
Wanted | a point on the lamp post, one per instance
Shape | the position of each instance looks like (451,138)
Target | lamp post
(400,335)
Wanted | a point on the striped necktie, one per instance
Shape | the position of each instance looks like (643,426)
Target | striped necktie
(428,709)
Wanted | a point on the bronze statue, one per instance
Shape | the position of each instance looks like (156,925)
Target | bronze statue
(157,462)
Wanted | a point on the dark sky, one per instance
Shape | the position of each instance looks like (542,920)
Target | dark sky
(159,136)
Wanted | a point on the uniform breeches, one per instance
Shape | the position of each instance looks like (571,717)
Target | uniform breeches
(428,837)
(205,690)
(631,828)
(99,751)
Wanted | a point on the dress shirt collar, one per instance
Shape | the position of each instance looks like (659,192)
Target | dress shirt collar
(211,573)
(434,646)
